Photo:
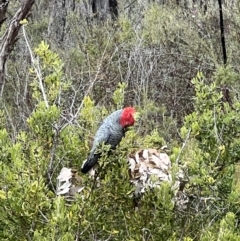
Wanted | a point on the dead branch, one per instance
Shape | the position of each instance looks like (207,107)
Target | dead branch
(10,36)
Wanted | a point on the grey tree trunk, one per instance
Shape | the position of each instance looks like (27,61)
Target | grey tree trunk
(3,10)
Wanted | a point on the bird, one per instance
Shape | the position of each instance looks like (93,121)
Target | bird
(110,132)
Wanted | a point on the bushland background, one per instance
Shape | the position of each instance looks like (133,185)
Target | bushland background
(65,65)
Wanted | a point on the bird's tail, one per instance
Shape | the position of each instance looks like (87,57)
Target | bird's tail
(91,162)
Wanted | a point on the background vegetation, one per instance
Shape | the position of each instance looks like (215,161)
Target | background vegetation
(69,69)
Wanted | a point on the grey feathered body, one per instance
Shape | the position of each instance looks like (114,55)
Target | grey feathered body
(109,133)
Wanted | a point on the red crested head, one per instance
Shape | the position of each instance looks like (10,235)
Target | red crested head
(127,117)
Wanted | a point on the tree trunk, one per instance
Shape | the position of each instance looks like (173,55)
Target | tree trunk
(3,10)
(104,7)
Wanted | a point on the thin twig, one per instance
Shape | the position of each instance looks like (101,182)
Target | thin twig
(44,217)
(52,158)
(36,68)
(183,145)
(88,89)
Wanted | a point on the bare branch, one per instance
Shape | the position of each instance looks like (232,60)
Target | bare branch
(10,37)
(37,69)
(88,89)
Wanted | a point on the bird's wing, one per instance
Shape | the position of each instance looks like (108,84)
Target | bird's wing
(102,136)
